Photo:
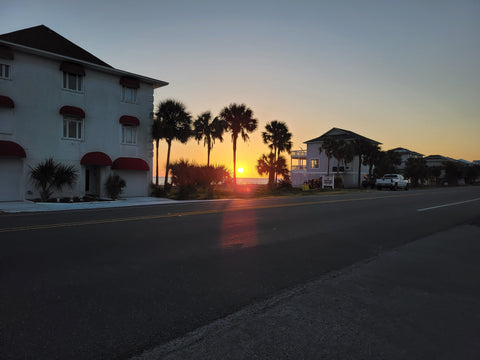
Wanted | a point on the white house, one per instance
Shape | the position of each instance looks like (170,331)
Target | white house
(406,154)
(58,100)
(312,164)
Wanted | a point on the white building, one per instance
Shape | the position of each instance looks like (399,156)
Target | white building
(406,154)
(312,164)
(58,100)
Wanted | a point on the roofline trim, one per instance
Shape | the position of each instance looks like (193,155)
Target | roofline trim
(110,70)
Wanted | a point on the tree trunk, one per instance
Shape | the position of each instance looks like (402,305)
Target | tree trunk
(359,169)
(156,166)
(234,160)
(277,155)
(271,175)
(165,183)
(208,152)
(328,167)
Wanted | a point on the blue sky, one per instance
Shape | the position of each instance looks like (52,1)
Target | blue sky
(404,73)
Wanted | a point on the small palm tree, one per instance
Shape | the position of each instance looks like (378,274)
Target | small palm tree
(49,175)
(172,122)
(239,121)
(209,131)
(279,139)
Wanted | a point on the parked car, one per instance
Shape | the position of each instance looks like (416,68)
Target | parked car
(392,182)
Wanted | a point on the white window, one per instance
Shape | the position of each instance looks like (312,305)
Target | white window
(314,164)
(129,94)
(72,128)
(72,82)
(129,134)
(5,71)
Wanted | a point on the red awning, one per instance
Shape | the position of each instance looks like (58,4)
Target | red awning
(10,148)
(130,120)
(5,101)
(96,158)
(130,82)
(126,163)
(72,111)
(72,68)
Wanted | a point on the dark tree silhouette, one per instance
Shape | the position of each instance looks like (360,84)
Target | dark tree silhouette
(209,131)
(361,147)
(328,146)
(239,121)
(278,138)
(172,122)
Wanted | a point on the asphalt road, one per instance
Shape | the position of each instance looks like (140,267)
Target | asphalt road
(109,284)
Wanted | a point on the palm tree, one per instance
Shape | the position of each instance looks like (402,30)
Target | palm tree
(239,121)
(361,148)
(328,146)
(371,156)
(279,139)
(267,164)
(340,152)
(172,122)
(208,130)
(49,175)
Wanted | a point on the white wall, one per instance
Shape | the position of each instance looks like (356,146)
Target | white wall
(36,89)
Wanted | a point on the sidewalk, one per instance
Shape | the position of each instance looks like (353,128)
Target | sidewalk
(30,206)
(419,301)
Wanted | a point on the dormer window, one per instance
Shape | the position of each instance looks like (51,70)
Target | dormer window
(129,89)
(129,94)
(73,75)
(72,82)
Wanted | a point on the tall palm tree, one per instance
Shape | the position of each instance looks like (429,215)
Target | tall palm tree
(208,130)
(239,121)
(172,122)
(278,139)
(339,152)
(329,146)
(371,157)
(361,148)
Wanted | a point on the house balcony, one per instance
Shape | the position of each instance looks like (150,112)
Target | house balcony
(299,167)
(299,154)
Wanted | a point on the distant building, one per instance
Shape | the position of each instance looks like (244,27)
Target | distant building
(312,164)
(476,162)
(405,155)
(58,100)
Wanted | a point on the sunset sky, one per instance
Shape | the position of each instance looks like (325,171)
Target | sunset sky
(404,73)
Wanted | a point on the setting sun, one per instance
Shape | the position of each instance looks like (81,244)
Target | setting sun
(240,170)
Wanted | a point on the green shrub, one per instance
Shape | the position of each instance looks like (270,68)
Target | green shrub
(188,178)
(114,186)
(49,175)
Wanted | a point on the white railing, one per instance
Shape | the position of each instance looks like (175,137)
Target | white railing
(299,167)
(299,153)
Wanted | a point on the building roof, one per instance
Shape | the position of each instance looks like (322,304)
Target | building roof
(406,151)
(43,38)
(337,133)
(42,41)
(432,158)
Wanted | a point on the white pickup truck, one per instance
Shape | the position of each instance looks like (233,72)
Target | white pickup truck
(392,181)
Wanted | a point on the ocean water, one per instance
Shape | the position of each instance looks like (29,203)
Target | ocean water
(240,181)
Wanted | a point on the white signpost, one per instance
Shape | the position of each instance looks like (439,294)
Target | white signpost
(328,181)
